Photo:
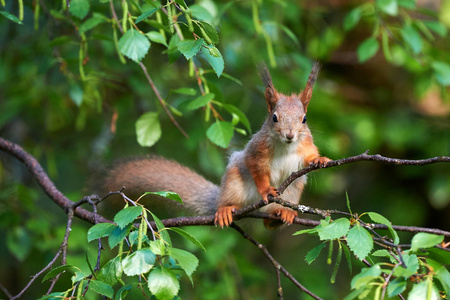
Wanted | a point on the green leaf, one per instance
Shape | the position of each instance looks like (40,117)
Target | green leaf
(314,253)
(334,230)
(162,229)
(123,291)
(79,8)
(442,72)
(239,114)
(309,231)
(396,286)
(365,276)
(388,6)
(352,18)
(100,230)
(91,23)
(367,49)
(158,247)
(188,237)
(437,27)
(134,45)
(54,272)
(101,288)
(186,91)
(425,240)
(148,129)
(424,290)
(348,203)
(220,133)
(187,261)
(189,48)
(377,218)
(412,38)
(111,272)
(200,101)
(117,235)
(163,283)
(385,46)
(166,194)
(360,241)
(412,265)
(127,215)
(442,274)
(138,262)
(157,37)
(348,257)
(410,4)
(216,63)
(10,17)
(200,13)
(147,14)
(211,32)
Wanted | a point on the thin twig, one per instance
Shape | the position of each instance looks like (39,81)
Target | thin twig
(49,265)
(275,263)
(149,79)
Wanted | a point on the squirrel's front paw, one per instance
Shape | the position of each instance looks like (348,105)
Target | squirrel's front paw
(224,215)
(270,191)
(320,161)
(286,215)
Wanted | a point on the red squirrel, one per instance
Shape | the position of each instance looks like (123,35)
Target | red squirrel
(283,145)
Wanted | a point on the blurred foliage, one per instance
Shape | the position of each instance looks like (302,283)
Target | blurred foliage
(70,97)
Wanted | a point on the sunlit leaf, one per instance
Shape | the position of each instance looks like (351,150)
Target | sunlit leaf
(220,133)
(127,215)
(425,240)
(216,63)
(101,288)
(334,230)
(79,8)
(148,129)
(314,253)
(388,6)
(134,45)
(157,37)
(10,17)
(360,241)
(167,194)
(367,49)
(100,230)
(138,262)
(200,101)
(412,38)
(163,283)
(189,48)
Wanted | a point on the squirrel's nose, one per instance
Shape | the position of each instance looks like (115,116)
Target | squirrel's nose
(290,135)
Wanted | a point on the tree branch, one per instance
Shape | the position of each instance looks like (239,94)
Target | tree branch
(362,157)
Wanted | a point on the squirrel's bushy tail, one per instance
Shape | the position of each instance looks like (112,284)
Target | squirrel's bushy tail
(152,174)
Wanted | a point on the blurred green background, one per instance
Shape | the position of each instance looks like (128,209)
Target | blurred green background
(394,102)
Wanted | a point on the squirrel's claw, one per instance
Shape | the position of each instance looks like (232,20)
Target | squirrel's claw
(320,161)
(270,191)
(224,215)
(286,215)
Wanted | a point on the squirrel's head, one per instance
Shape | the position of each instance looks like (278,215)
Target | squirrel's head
(287,114)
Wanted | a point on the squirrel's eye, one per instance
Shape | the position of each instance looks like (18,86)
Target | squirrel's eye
(274,118)
(304,120)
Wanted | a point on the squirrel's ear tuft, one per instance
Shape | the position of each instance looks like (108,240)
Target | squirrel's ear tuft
(270,94)
(306,94)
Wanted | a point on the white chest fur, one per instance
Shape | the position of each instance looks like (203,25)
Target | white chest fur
(285,161)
